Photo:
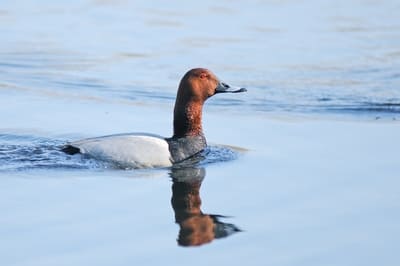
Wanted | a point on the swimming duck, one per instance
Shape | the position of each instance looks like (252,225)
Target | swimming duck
(142,150)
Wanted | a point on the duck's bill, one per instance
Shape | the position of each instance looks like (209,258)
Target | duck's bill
(225,88)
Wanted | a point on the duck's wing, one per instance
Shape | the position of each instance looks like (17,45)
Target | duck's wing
(125,150)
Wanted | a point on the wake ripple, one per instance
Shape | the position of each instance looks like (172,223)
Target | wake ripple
(24,152)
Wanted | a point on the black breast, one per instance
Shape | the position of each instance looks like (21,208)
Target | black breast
(185,147)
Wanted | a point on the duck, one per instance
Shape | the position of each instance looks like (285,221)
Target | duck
(144,150)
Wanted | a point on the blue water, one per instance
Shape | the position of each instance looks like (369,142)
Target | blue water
(304,57)
(301,170)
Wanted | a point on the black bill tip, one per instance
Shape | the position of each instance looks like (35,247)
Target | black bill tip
(225,88)
(240,90)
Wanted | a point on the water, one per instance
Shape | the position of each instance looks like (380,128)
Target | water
(301,170)
(304,57)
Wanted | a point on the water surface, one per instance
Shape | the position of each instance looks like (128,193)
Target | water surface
(301,170)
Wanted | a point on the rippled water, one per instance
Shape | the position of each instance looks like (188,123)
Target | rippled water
(24,152)
(301,57)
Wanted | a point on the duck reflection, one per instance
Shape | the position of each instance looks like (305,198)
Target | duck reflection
(196,228)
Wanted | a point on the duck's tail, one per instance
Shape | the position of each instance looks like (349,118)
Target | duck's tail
(71,150)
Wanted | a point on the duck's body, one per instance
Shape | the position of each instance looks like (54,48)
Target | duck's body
(134,150)
(139,150)
(142,150)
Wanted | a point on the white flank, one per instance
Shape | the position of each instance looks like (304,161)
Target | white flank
(128,150)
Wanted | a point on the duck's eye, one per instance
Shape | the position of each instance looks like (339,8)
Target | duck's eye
(203,75)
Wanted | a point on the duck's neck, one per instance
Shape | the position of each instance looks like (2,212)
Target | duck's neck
(187,120)
(188,138)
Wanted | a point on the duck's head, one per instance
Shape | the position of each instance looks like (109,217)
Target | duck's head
(196,86)
(199,84)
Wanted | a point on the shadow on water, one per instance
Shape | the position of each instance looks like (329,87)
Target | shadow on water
(196,227)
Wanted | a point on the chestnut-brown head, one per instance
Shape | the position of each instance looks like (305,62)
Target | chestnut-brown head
(196,86)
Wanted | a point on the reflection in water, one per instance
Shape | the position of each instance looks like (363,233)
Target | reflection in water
(196,228)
